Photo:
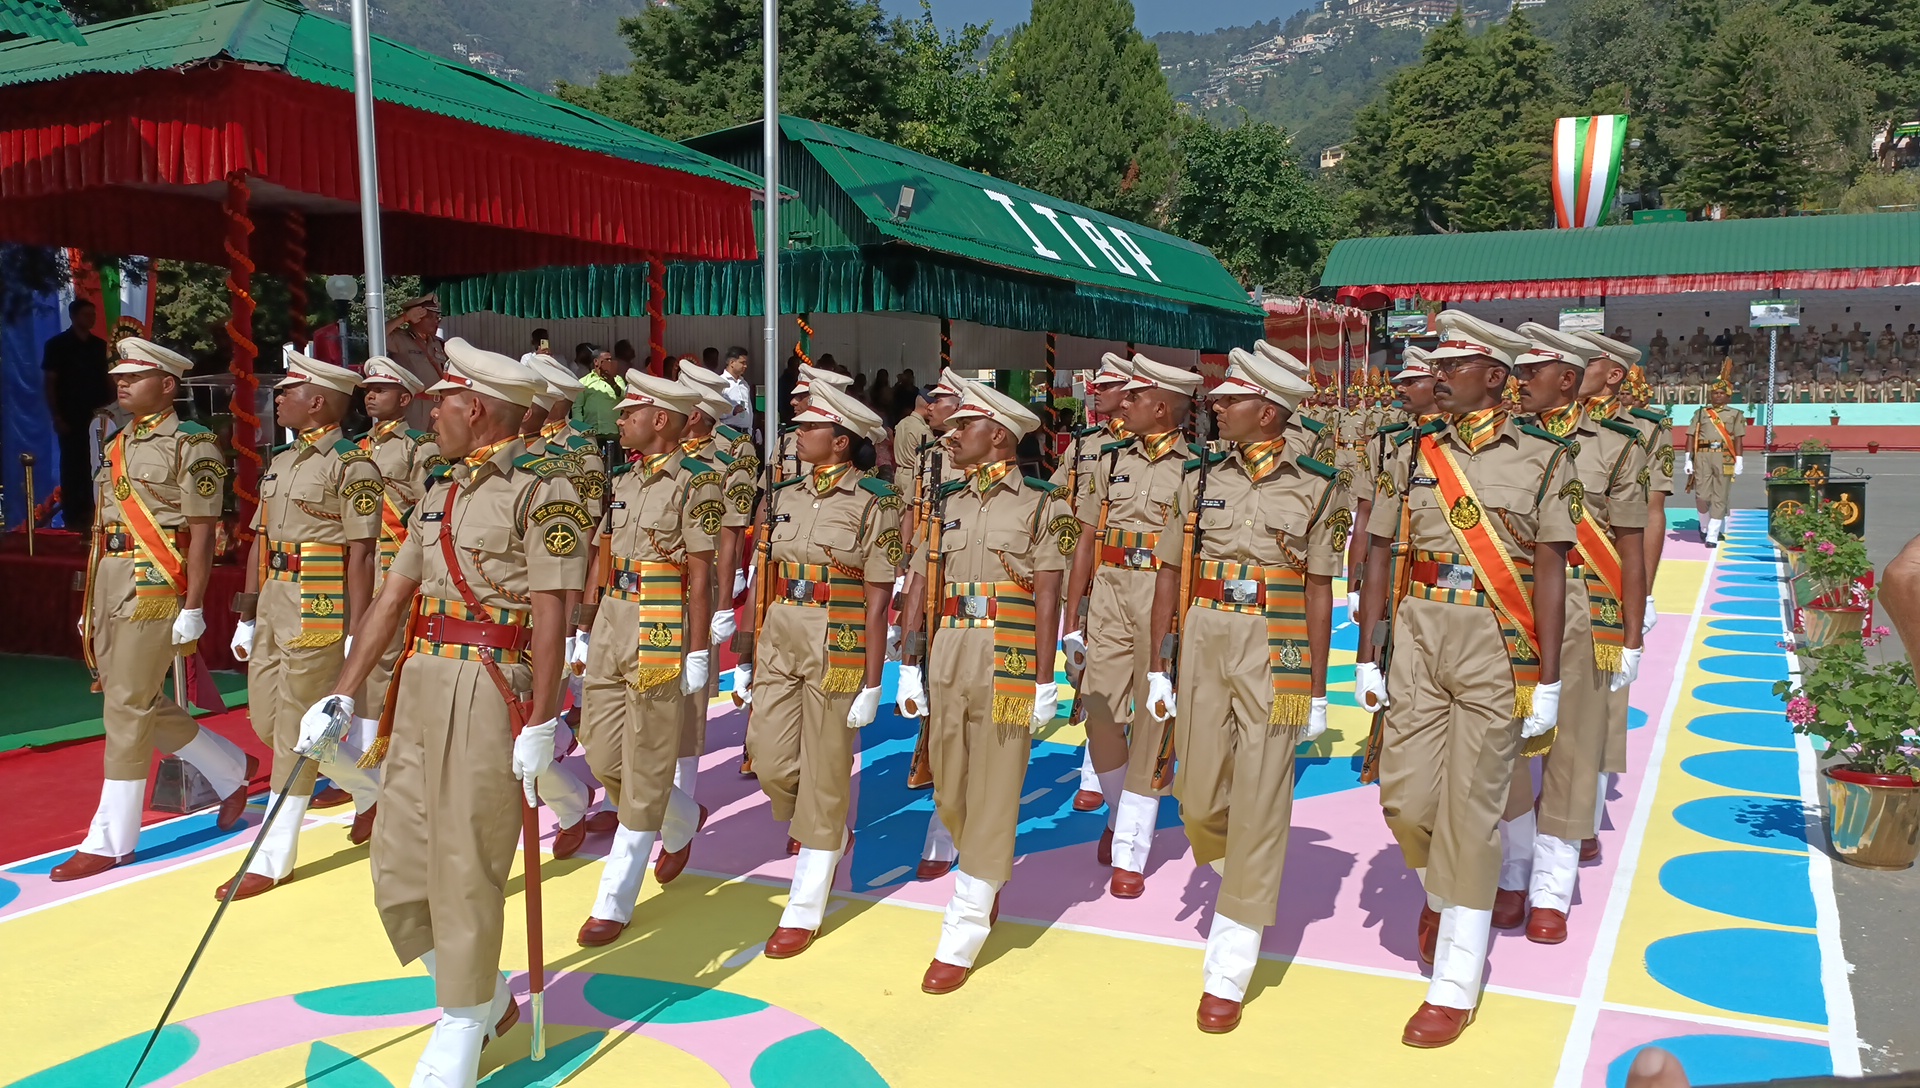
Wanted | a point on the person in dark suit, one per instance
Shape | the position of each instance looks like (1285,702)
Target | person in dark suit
(74,369)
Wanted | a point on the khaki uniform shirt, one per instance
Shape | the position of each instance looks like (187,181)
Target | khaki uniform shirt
(663,515)
(1656,438)
(1140,493)
(518,528)
(1021,526)
(174,466)
(590,469)
(1296,517)
(404,457)
(322,489)
(1612,466)
(741,477)
(912,430)
(854,525)
(722,460)
(1702,437)
(1084,451)
(1522,481)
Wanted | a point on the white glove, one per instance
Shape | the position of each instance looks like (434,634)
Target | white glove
(189,625)
(1353,608)
(1369,687)
(743,683)
(911,698)
(577,652)
(893,642)
(1074,645)
(346,646)
(1739,463)
(693,672)
(1316,720)
(739,583)
(1161,702)
(1629,670)
(1046,703)
(319,718)
(533,756)
(1689,464)
(1546,711)
(722,627)
(242,643)
(865,706)
(1651,616)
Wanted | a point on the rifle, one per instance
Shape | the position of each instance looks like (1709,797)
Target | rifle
(1399,577)
(1189,555)
(1079,715)
(920,769)
(744,639)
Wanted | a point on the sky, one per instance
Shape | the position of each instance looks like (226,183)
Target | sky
(1152,16)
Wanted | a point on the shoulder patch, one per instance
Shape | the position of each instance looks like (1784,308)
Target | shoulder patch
(1618,427)
(348,450)
(1538,432)
(748,463)
(788,482)
(741,495)
(707,515)
(545,467)
(706,477)
(1318,468)
(579,442)
(695,465)
(422,436)
(952,486)
(1088,431)
(1648,414)
(560,508)
(1213,458)
(726,459)
(727,432)
(188,426)
(439,472)
(878,486)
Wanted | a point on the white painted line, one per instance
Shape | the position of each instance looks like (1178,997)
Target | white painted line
(1037,794)
(744,956)
(1069,776)
(1790,1031)
(890,875)
(1593,990)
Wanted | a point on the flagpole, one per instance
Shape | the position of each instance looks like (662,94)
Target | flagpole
(770,236)
(369,185)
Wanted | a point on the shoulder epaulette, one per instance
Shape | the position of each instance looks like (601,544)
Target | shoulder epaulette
(544,467)
(189,427)
(580,442)
(1627,429)
(347,450)
(1090,429)
(1392,428)
(1213,458)
(788,482)
(878,486)
(624,466)
(439,472)
(727,432)
(726,459)
(1039,484)
(1109,447)
(422,436)
(1648,414)
(1539,432)
(282,448)
(1318,468)
(952,486)
(695,465)
(1311,423)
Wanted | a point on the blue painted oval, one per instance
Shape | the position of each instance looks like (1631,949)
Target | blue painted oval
(1750,769)
(1756,885)
(1636,717)
(1761,666)
(1732,1059)
(814,1059)
(111,1063)
(1746,608)
(1759,972)
(1756,729)
(655,1001)
(1755,593)
(384,997)
(1750,627)
(1740,695)
(9,891)
(1767,581)
(1746,644)
(1774,822)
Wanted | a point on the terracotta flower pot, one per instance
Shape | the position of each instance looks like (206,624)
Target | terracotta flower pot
(1873,820)
(1827,626)
(1873,445)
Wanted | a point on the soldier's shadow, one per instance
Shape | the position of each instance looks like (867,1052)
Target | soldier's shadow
(1390,900)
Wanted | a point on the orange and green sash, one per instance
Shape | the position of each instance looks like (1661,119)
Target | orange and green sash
(160,577)
(663,621)
(1726,440)
(1014,647)
(846,606)
(1289,659)
(323,595)
(1600,564)
(393,529)
(1507,589)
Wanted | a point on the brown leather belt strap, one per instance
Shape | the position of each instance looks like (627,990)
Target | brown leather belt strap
(1124,557)
(516,711)
(957,605)
(453,630)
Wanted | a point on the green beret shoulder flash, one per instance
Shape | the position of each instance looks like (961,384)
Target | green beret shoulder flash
(1109,447)
(544,467)
(1039,484)
(348,450)
(194,431)
(727,433)
(694,465)
(1393,428)
(1212,458)
(1311,423)
(421,436)
(1648,414)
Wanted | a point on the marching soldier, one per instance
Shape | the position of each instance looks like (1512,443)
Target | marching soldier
(663,521)
(1306,436)
(834,546)
(910,436)
(405,457)
(740,464)
(481,581)
(1250,583)
(1414,383)
(1600,641)
(1129,511)
(157,501)
(1003,548)
(797,403)
(1487,504)
(309,580)
(1714,447)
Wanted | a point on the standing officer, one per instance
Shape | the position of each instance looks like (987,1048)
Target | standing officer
(492,550)
(835,548)
(404,457)
(1489,509)
(550,431)
(1005,545)
(309,580)
(1257,568)
(1414,383)
(739,463)
(1656,436)
(1129,511)
(1600,644)
(663,520)
(158,501)
(1714,447)
(414,343)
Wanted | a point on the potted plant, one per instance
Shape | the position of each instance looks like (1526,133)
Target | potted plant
(1864,713)
(1815,458)
(1788,493)
(1794,530)
(1829,587)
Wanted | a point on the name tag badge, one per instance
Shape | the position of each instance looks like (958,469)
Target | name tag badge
(1120,479)
(269,476)
(1213,504)
(1422,481)
(1089,457)
(432,515)
(617,504)
(950,526)
(780,518)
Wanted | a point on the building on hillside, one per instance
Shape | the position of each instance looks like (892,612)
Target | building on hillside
(1331,157)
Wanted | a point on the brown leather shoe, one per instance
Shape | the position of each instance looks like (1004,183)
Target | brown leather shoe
(599,931)
(671,864)
(1590,849)
(1435,1025)
(362,828)
(1217,1015)
(602,823)
(331,797)
(1088,801)
(920,772)
(1127,884)
(746,766)
(1546,925)
(1509,909)
(793,847)
(932,870)
(234,805)
(81,866)
(251,884)
(1104,852)
(568,840)
(788,942)
(943,978)
(1428,933)
(507,1020)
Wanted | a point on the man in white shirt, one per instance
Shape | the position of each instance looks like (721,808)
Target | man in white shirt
(540,347)
(738,391)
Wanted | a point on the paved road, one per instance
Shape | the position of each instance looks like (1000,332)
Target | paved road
(1879,912)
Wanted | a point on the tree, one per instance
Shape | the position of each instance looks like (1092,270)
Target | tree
(952,105)
(1094,121)
(696,67)
(1874,191)
(1243,194)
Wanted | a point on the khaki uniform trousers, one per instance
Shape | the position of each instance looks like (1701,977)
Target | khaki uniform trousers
(372,699)
(1570,775)
(1119,656)
(1236,772)
(611,647)
(1450,739)
(979,768)
(1617,709)
(283,681)
(797,734)
(449,821)
(133,660)
(1711,482)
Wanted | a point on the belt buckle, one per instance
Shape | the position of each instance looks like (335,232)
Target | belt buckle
(430,627)
(800,590)
(1454,576)
(627,581)
(973,606)
(277,561)
(1137,558)
(1240,591)
(117,542)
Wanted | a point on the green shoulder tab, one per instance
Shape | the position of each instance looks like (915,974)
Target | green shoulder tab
(280,449)
(347,449)
(878,486)
(695,465)
(1394,428)
(1318,468)
(726,459)
(1088,431)
(1627,429)
(422,436)
(1310,423)
(544,467)
(188,426)
(580,442)
(1648,414)
(1539,432)
(1039,484)
(726,433)
(1193,465)
(1109,447)
(952,486)
(788,482)
(624,466)
(439,472)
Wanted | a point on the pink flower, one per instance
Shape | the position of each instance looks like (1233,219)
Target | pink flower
(1827,548)
(1807,536)
(1801,711)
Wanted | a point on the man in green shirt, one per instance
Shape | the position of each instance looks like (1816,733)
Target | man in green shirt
(600,389)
